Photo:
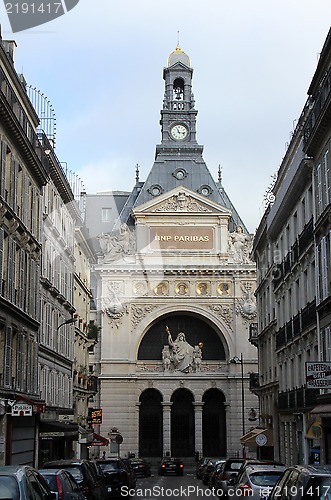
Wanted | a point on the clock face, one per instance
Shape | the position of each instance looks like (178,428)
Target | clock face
(179,132)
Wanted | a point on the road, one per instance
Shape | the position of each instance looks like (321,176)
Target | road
(172,488)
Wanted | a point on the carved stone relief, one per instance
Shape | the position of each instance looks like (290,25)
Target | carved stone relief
(116,246)
(181,203)
(138,312)
(224,311)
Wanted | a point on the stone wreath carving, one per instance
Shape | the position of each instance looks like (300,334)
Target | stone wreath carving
(181,203)
(224,311)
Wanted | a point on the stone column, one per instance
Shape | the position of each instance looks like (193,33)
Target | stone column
(167,428)
(198,426)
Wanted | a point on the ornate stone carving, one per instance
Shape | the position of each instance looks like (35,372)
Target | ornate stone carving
(240,245)
(246,306)
(117,246)
(181,203)
(113,305)
(138,312)
(224,311)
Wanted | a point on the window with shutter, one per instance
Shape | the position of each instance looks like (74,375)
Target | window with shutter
(8,357)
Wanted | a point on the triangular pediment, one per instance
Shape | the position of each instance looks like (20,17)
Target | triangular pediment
(181,200)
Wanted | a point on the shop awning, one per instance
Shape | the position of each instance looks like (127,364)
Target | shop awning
(53,428)
(258,437)
(99,440)
(323,410)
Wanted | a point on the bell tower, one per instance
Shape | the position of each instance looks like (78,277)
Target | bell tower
(178,116)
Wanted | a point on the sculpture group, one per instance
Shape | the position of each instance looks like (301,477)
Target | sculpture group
(179,355)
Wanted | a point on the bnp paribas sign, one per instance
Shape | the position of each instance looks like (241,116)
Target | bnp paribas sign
(25,15)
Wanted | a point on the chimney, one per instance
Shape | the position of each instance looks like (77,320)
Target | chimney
(9,48)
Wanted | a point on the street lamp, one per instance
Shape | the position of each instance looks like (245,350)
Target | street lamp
(240,360)
(68,322)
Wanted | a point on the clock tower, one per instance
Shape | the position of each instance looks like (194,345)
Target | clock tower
(178,158)
(178,116)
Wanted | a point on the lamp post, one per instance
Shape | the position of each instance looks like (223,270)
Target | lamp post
(240,360)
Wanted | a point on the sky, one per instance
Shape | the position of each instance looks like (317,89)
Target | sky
(101,65)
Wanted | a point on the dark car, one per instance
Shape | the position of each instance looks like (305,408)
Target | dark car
(117,476)
(200,466)
(132,473)
(141,467)
(171,465)
(229,468)
(22,482)
(213,474)
(63,484)
(209,469)
(303,482)
(84,471)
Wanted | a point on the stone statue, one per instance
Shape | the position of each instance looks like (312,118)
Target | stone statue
(181,352)
(239,245)
(166,358)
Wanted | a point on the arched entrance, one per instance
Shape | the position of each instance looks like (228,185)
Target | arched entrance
(213,424)
(150,424)
(182,423)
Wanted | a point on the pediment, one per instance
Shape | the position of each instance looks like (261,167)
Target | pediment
(181,200)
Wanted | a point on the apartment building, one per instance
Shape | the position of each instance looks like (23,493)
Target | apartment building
(292,252)
(24,172)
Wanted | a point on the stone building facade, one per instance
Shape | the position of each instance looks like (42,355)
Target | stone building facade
(174,288)
(292,252)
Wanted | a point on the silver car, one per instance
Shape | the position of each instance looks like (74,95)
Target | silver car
(22,482)
(256,481)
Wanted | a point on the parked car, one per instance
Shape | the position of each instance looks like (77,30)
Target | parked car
(92,483)
(214,472)
(132,473)
(229,468)
(62,484)
(303,482)
(171,465)
(22,482)
(141,467)
(256,481)
(209,469)
(117,476)
(200,466)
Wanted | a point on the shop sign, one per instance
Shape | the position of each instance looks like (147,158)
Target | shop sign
(20,409)
(318,374)
(95,416)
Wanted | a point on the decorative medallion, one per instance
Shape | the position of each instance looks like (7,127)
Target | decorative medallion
(181,288)
(140,288)
(223,288)
(203,288)
(161,288)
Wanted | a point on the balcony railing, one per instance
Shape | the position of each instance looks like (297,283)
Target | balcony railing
(297,399)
